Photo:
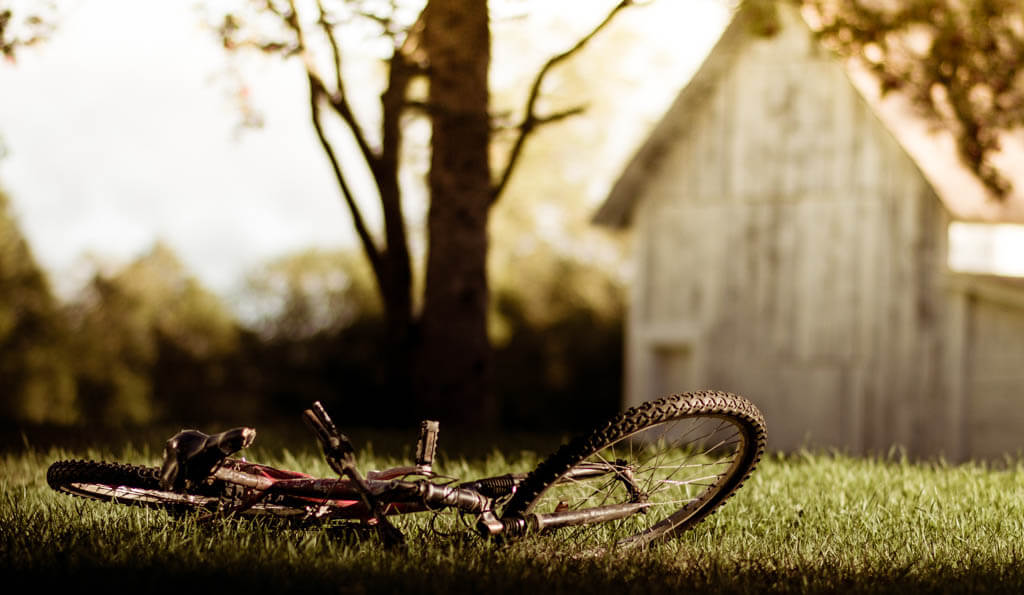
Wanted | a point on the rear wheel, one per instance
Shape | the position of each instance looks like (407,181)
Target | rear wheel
(122,484)
(140,486)
(667,464)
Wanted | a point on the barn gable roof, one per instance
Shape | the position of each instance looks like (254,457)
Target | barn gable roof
(934,151)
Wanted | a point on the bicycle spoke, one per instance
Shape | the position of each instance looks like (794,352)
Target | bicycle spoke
(648,486)
(694,481)
(674,466)
(716,463)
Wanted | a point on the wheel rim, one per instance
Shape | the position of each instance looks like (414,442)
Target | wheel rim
(172,501)
(682,468)
(137,495)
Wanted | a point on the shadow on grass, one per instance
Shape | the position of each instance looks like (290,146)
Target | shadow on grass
(498,573)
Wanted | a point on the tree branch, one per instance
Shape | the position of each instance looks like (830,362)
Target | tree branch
(38,27)
(369,247)
(338,99)
(964,79)
(531,120)
(328,30)
(538,120)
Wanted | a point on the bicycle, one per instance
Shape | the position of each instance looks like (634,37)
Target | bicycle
(648,473)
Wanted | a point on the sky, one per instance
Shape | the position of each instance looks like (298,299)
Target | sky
(123,129)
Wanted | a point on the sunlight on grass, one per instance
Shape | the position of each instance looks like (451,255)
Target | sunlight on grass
(809,522)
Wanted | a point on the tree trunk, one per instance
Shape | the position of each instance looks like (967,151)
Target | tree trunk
(396,286)
(453,366)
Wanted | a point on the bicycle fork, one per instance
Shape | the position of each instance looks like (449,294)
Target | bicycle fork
(564,517)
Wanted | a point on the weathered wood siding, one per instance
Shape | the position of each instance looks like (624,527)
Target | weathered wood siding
(790,251)
(994,369)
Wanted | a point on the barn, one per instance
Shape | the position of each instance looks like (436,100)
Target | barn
(790,232)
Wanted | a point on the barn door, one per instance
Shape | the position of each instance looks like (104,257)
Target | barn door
(995,385)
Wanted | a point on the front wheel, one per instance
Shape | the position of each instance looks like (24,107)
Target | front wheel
(667,463)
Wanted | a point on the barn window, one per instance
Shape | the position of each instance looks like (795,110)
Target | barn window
(992,249)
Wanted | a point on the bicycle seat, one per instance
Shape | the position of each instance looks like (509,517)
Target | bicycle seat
(190,455)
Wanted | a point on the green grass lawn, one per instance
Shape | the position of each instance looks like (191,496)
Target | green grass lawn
(806,523)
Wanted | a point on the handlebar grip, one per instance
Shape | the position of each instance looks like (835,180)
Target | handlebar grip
(337,447)
(318,428)
(321,413)
(426,446)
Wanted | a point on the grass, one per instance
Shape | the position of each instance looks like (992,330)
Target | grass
(803,523)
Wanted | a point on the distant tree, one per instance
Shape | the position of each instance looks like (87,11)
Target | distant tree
(320,333)
(439,343)
(558,338)
(36,380)
(145,338)
(311,292)
(558,343)
(959,60)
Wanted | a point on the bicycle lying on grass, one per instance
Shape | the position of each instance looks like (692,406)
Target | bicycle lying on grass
(647,474)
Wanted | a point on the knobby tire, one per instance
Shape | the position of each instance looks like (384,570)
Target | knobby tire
(123,484)
(689,453)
